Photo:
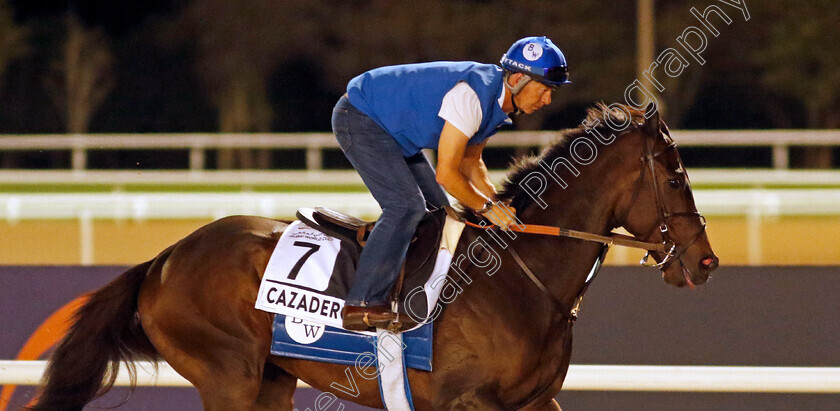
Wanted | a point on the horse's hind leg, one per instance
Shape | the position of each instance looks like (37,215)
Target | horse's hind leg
(274,392)
(226,371)
(219,345)
(277,390)
(197,308)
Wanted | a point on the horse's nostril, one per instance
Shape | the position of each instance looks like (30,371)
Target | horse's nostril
(709,263)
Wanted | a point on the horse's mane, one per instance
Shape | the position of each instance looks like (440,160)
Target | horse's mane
(524,165)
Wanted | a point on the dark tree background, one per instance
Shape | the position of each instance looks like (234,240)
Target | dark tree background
(267,65)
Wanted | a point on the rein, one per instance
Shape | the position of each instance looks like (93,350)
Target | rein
(571,313)
(613,239)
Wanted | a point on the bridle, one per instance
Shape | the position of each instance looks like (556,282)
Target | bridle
(674,252)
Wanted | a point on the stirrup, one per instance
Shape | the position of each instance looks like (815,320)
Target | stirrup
(395,326)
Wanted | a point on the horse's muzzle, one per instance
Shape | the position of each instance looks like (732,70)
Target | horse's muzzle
(709,263)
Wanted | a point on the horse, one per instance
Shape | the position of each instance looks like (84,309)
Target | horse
(504,342)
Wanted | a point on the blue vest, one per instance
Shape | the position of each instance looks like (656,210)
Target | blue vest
(405,100)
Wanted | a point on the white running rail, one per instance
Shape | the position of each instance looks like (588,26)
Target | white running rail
(140,206)
(580,378)
(314,143)
(118,179)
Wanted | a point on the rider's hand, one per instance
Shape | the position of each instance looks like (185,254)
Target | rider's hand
(501,216)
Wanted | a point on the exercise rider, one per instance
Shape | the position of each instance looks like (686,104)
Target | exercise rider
(391,113)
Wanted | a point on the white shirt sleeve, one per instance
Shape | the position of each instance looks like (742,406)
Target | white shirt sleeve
(462,109)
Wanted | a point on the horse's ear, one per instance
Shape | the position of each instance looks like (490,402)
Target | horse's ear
(651,120)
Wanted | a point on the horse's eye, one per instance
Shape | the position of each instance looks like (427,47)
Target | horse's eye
(674,183)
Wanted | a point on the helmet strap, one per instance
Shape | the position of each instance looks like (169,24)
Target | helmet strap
(514,90)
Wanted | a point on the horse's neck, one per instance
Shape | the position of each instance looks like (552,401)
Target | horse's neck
(587,204)
(562,264)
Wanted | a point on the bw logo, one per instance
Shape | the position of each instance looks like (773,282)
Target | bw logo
(532,51)
(302,331)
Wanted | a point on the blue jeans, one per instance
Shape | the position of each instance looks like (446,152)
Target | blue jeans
(402,187)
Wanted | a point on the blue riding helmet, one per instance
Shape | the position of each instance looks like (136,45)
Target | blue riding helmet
(538,58)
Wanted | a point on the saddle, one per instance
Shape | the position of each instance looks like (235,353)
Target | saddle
(353,233)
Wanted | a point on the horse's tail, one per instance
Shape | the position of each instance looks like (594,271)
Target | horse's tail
(106,331)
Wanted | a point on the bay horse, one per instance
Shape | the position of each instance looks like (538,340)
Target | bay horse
(503,343)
